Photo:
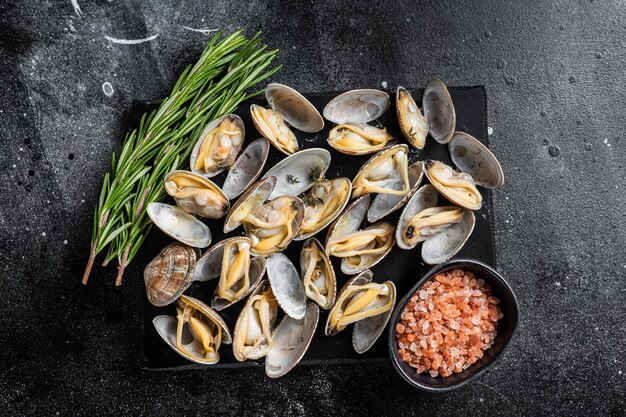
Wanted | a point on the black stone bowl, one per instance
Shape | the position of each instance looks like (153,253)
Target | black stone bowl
(506,328)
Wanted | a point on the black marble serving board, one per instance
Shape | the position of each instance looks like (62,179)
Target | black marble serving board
(400,266)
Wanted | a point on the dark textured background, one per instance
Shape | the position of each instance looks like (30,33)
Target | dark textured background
(554,73)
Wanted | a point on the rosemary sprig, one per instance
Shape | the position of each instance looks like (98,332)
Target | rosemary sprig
(212,87)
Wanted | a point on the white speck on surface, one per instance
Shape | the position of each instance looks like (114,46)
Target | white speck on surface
(82,201)
(76,8)
(130,41)
(558,284)
(596,328)
(21,149)
(108,89)
(15,166)
(384,84)
(204,31)
(43,234)
(489,130)
(619,372)
(408,19)
(65,242)
(606,142)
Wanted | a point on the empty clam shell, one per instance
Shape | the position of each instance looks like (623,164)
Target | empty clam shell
(413,124)
(196,333)
(295,108)
(291,340)
(286,285)
(458,187)
(239,273)
(384,173)
(439,111)
(360,106)
(252,337)
(385,204)
(318,274)
(298,172)
(273,226)
(170,273)
(322,204)
(246,169)
(252,199)
(196,194)
(179,225)
(218,146)
(472,157)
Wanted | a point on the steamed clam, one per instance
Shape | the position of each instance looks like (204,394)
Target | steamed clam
(413,124)
(384,173)
(385,204)
(238,271)
(196,333)
(287,108)
(359,249)
(253,330)
(298,172)
(443,230)
(218,147)
(250,200)
(318,274)
(322,204)
(196,194)
(170,273)
(458,187)
(358,138)
(367,304)
(273,225)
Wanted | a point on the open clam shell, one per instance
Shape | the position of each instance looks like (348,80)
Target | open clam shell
(179,225)
(458,187)
(295,108)
(384,173)
(439,111)
(274,225)
(211,265)
(252,337)
(322,204)
(196,194)
(182,335)
(425,197)
(375,241)
(413,124)
(385,204)
(363,278)
(360,106)
(286,285)
(246,169)
(252,199)
(318,274)
(358,138)
(291,340)
(170,273)
(472,157)
(298,172)
(216,151)
(272,126)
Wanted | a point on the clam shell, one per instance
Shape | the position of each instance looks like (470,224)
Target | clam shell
(246,168)
(385,153)
(415,135)
(190,203)
(328,271)
(446,191)
(472,157)
(291,340)
(367,331)
(256,112)
(424,198)
(170,273)
(359,129)
(439,111)
(252,199)
(210,127)
(361,106)
(295,108)
(166,327)
(363,278)
(179,225)
(297,173)
(385,204)
(286,285)
(445,244)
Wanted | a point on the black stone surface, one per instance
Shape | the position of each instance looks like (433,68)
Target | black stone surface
(554,73)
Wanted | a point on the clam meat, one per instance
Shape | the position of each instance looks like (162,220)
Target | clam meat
(253,330)
(385,173)
(273,225)
(358,138)
(272,126)
(322,204)
(362,248)
(196,194)
(318,275)
(218,146)
(458,187)
(429,222)
(413,124)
